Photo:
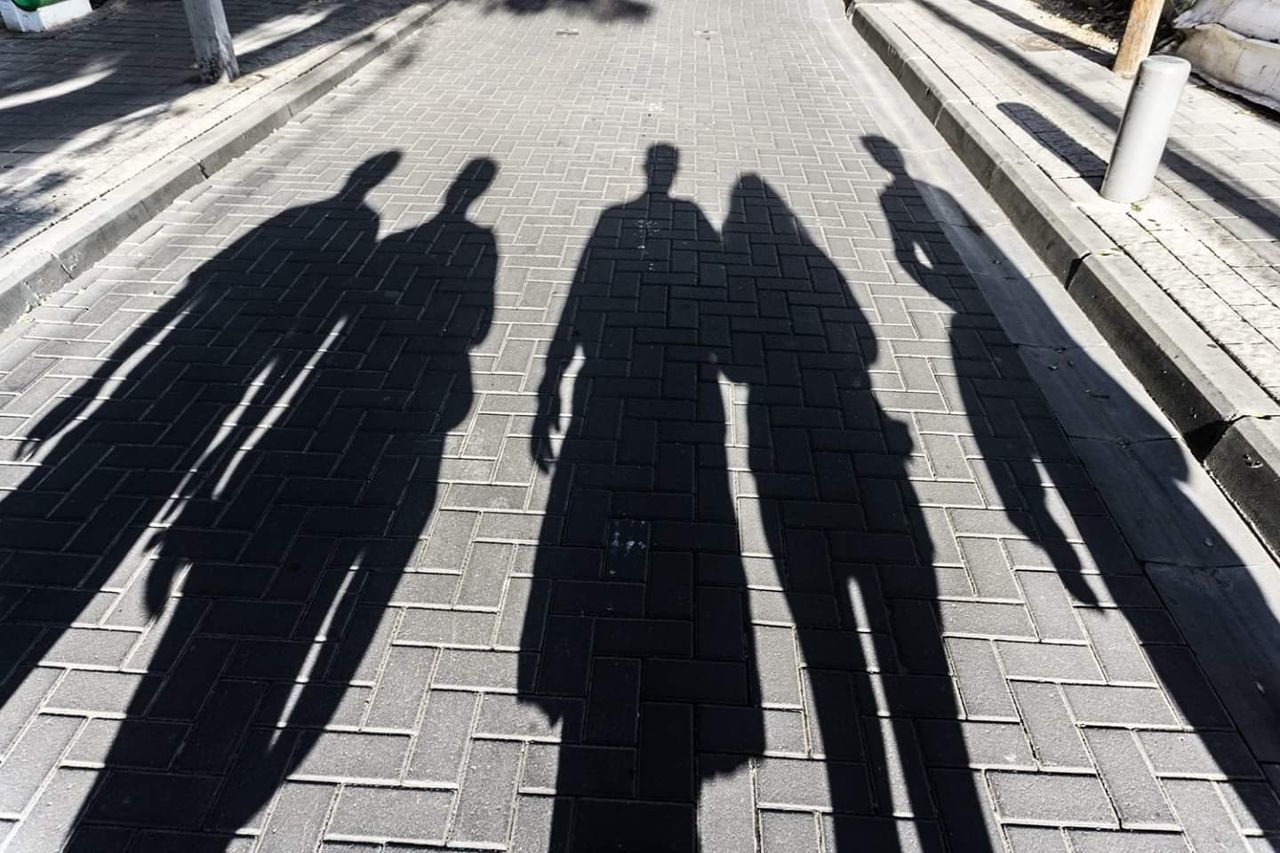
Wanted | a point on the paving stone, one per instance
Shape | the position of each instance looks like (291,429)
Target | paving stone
(898,776)
(1050,607)
(974,744)
(1255,806)
(47,823)
(1049,661)
(81,647)
(1202,814)
(726,813)
(488,788)
(437,754)
(104,692)
(298,818)
(789,782)
(349,755)
(152,799)
(446,627)
(1056,798)
(1133,787)
(532,831)
(580,769)
(989,568)
(1134,706)
(392,813)
(402,685)
(1209,754)
(783,832)
(32,757)
(475,670)
(1197,702)
(25,689)
(967,808)
(1118,651)
(153,745)
(982,686)
(1054,736)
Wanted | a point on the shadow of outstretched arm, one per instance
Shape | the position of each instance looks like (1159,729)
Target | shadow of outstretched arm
(550,406)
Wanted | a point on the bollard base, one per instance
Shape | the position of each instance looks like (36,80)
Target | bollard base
(1144,129)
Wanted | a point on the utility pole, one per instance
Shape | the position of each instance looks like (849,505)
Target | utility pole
(1139,32)
(215,55)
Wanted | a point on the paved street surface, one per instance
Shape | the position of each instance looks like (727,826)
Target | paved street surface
(1209,235)
(607,431)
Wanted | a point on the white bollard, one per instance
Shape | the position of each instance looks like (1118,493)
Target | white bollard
(1144,130)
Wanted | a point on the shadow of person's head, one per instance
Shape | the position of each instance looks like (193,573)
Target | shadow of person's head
(472,181)
(369,174)
(749,200)
(886,153)
(757,209)
(661,162)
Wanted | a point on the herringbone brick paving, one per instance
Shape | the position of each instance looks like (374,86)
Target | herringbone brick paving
(582,437)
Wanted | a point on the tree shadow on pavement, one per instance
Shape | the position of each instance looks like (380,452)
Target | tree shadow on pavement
(139,56)
(259,472)
(1169,555)
(109,80)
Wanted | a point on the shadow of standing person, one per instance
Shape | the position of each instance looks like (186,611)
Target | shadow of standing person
(174,395)
(1033,460)
(845,531)
(638,625)
(333,482)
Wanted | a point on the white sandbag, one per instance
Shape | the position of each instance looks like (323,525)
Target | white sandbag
(1255,19)
(1249,67)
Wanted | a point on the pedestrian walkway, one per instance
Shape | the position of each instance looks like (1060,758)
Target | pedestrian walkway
(1209,235)
(610,432)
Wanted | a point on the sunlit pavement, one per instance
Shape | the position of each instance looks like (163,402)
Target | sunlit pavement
(615,429)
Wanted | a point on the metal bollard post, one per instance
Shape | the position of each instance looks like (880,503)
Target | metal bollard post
(1144,129)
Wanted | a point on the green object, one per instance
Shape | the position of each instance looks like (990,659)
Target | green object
(32,5)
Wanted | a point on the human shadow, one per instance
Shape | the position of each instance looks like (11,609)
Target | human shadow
(294,511)
(1223,621)
(637,635)
(112,455)
(638,639)
(846,534)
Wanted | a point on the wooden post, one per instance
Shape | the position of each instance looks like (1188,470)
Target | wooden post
(215,55)
(1139,32)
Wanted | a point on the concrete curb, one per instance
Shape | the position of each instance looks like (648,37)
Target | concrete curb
(1228,421)
(57,255)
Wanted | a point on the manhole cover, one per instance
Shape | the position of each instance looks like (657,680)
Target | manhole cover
(1034,43)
